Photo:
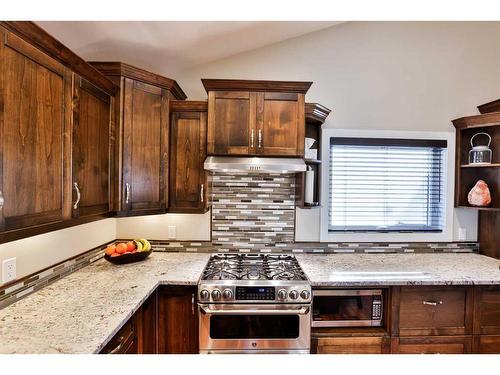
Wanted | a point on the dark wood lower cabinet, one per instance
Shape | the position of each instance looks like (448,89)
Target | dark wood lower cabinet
(432,345)
(486,344)
(125,341)
(177,320)
(147,326)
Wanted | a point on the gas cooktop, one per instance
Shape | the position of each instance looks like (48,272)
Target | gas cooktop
(253,267)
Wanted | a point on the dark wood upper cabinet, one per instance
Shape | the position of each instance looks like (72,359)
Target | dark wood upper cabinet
(92,126)
(188,139)
(256,117)
(35,179)
(141,149)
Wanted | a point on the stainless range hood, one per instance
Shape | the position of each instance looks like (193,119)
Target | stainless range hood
(254,164)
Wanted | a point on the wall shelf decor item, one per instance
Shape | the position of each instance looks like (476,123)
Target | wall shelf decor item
(480,154)
(479,195)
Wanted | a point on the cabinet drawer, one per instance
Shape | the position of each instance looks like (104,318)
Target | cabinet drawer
(351,345)
(124,342)
(487,344)
(487,310)
(431,345)
(432,311)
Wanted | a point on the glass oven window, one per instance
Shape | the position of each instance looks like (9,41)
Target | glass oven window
(254,327)
(336,308)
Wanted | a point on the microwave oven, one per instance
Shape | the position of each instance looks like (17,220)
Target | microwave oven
(347,308)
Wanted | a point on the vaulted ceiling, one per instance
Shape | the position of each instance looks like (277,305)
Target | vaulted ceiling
(168,47)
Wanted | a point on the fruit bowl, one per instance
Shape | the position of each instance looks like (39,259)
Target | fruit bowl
(128,257)
(128,252)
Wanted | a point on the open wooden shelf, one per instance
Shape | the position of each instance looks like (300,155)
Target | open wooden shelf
(480,208)
(493,165)
(312,161)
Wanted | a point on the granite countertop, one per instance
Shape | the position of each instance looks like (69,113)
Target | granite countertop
(399,269)
(81,312)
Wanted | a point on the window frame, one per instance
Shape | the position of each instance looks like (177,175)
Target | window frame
(370,236)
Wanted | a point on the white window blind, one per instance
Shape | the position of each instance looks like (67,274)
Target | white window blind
(387,185)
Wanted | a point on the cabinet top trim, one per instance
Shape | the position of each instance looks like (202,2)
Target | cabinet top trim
(255,85)
(487,119)
(116,68)
(316,113)
(493,106)
(188,105)
(35,35)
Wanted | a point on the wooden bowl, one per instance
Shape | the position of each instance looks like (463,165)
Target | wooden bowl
(128,257)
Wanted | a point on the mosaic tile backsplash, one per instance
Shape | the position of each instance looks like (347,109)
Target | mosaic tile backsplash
(252,211)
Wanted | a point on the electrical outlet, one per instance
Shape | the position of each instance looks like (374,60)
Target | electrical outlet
(462,234)
(8,270)
(172,232)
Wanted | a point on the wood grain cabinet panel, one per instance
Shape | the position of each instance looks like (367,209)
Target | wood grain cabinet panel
(177,320)
(281,124)
(35,123)
(351,345)
(486,344)
(435,310)
(188,182)
(145,146)
(91,149)
(432,345)
(487,310)
(125,341)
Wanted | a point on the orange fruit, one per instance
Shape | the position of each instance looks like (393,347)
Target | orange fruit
(121,248)
(130,246)
(110,250)
(115,255)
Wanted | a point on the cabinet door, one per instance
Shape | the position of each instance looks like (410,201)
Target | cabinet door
(147,326)
(145,147)
(351,345)
(280,124)
(91,149)
(486,344)
(187,155)
(432,345)
(177,320)
(125,341)
(487,310)
(231,123)
(35,123)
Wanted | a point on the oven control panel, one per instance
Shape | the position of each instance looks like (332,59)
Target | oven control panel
(250,294)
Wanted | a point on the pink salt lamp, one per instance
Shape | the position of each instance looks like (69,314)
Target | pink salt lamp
(479,195)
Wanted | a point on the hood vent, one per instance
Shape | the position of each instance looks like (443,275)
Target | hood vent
(254,164)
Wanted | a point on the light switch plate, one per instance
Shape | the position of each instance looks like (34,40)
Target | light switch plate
(8,270)
(172,232)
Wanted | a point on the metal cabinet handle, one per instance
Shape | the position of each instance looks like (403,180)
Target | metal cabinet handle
(252,134)
(299,311)
(127,192)
(432,303)
(118,347)
(78,195)
(192,304)
(2,200)
(260,138)
(202,188)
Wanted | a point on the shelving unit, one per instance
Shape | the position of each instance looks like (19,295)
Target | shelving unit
(315,116)
(467,175)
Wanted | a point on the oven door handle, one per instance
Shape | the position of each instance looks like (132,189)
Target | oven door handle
(301,311)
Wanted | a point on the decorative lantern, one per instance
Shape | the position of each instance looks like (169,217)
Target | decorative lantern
(480,154)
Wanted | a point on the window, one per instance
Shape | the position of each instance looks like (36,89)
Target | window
(387,185)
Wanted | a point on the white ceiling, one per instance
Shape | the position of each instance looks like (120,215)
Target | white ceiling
(170,47)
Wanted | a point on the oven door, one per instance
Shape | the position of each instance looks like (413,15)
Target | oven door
(254,328)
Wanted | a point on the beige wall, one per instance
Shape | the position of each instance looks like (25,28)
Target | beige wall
(379,75)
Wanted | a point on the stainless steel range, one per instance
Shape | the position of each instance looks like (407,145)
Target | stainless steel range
(254,303)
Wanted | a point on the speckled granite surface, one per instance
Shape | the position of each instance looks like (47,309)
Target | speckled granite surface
(399,269)
(81,312)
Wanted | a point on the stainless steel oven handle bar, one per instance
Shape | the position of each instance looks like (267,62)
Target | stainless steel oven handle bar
(300,311)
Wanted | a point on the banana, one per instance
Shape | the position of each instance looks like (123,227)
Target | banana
(139,246)
(146,246)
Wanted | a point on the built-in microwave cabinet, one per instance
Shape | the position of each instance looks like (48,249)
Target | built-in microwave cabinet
(259,118)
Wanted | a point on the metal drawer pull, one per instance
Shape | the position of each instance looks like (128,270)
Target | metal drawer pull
(78,195)
(127,192)
(202,188)
(2,200)
(252,138)
(432,303)
(118,348)
(260,138)
(192,304)
(301,311)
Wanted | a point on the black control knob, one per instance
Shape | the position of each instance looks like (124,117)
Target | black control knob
(204,294)
(293,294)
(227,294)
(305,294)
(282,294)
(216,294)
